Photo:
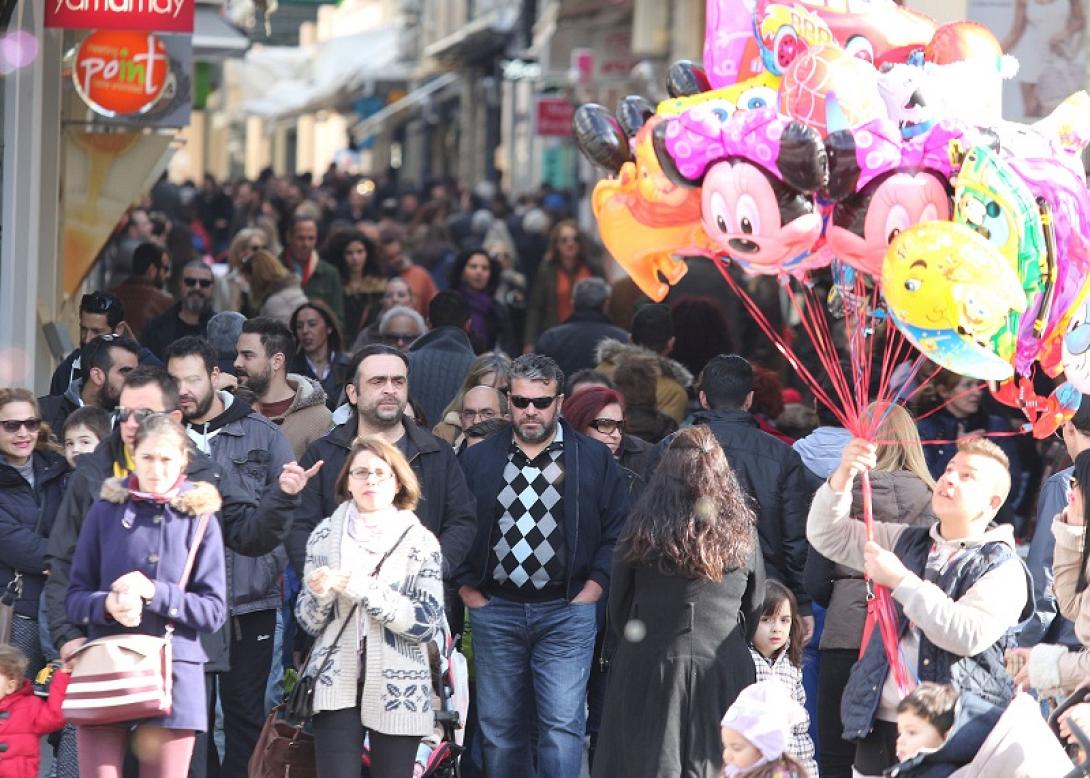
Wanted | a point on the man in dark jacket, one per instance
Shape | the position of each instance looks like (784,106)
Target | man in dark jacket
(142,293)
(440,359)
(379,392)
(189,316)
(248,527)
(251,447)
(100,313)
(106,361)
(768,469)
(574,343)
(550,506)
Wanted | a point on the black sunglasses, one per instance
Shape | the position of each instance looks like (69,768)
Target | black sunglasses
(607,426)
(97,302)
(204,283)
(541,403)
(138,414)
(11,426)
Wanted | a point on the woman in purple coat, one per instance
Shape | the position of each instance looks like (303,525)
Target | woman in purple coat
(125,572)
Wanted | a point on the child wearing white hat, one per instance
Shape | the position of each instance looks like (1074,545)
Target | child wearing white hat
(756,732)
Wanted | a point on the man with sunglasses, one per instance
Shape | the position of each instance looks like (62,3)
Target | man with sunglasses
(249,527)
(100,313)
(188,316)
(550,506)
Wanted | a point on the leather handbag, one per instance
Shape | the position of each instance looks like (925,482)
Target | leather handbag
(125,677)
(12,593)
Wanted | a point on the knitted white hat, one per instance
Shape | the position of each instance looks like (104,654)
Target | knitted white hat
(764,714)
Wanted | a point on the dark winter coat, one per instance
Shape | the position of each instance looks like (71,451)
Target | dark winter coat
(26,516)
(167,327)
(445,507)
(984,674)
(438,363)
(668,691)
(595,506)
(56,408)
(973,720)
(120,535)
(633,454)
(899,497)
(773,476)
(24,718)
(248,527)
(574,344)
(334,381)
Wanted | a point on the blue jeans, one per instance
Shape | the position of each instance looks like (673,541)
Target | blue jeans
(545,648)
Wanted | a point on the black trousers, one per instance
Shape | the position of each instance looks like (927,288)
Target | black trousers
(878,751)
(338,742)
(836,755)
(241,692)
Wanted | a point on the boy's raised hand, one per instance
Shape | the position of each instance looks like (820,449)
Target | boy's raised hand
(882,566)
(859,455)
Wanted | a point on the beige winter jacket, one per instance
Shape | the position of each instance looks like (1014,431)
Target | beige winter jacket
(1054,670)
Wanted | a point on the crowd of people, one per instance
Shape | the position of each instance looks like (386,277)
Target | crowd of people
(427,416)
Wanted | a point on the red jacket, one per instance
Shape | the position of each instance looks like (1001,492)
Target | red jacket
(24,718)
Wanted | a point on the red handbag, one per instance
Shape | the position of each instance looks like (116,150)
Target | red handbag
(125,677)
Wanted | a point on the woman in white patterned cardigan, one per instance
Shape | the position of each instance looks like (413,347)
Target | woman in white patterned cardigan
(373,599)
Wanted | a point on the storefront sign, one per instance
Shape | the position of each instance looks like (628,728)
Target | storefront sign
(554,115)
(121,73)
(143,15)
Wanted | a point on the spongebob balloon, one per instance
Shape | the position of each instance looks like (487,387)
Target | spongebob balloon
(950,292)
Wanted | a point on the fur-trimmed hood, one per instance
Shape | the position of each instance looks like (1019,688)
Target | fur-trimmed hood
(195,499)
(308,392)
(615,352)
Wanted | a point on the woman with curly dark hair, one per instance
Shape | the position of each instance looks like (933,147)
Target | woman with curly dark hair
(362,276)
(687,586)
(476,275)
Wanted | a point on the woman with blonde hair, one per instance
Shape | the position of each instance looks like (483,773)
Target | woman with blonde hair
(488,369)
(901,488)
(567,261)
(232,290)
(373,598)
(275,291)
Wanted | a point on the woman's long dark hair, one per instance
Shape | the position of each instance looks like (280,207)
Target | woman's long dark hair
(693,518)
(336,339)
(333,249)
(1082,477)
(459,266)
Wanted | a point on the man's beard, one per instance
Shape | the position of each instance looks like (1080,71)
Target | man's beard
(383,418)
(257,383)
(194,302)
(536,437)
(107,400)
(202,406)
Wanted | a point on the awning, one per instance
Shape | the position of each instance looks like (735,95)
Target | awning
(477,38)
(395,110)
(285,81)
(215,38)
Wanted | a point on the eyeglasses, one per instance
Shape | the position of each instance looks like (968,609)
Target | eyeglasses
(470,415)
(541,403)
(203,283)
(363,474)
(608,426)
(138,414)
(97,302)
(11,426)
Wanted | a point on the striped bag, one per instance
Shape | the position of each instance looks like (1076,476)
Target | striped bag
(125,677)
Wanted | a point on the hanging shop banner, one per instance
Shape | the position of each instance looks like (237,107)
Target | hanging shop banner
(142,15)
(121,73)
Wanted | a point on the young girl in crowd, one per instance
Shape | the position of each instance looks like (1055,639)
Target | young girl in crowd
(777,653)
(84,429)
(757,733)
(25,716)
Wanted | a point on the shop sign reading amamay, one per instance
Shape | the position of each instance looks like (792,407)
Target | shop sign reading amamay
(143,15)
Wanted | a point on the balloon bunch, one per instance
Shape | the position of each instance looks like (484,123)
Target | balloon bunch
(866,136)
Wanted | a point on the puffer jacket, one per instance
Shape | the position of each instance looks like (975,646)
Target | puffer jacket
(671,385)
(256,451)
(899,497)
(26,516)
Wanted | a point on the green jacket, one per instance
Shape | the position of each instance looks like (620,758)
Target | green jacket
(325,285)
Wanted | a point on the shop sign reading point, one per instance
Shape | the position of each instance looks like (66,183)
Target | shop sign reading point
(144,15)
(121,73)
